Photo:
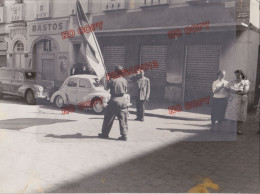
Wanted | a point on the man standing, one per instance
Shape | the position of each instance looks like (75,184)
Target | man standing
(117,106)
(142,94)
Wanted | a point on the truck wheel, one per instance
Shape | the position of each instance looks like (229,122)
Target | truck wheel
(29,97)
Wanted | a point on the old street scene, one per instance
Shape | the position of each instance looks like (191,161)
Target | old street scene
(129,96)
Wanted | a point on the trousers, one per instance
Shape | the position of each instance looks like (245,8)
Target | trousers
(140,108)
(112,111)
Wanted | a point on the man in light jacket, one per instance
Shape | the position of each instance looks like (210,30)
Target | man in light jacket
(142,94)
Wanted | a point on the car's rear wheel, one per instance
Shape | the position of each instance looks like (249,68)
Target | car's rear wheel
(59,102)
(29,97)
(97,106)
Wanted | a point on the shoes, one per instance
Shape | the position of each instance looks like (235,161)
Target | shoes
(123,138)
(101,135)
(137,119)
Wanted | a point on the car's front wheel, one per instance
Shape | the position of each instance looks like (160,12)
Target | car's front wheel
(98,107)
(29,97)
(59,102)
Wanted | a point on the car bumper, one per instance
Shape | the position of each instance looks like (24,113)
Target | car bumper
(40,95)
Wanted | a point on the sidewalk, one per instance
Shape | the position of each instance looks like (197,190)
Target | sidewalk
(45,151)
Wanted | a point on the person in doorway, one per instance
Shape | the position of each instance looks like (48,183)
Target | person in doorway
(142,93)
(117,106)
(220,97)
(237,102)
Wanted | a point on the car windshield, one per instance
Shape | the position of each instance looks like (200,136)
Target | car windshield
(96,82)
(34,75)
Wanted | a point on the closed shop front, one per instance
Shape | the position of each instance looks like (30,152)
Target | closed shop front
(114,55)
(157,76)
(202,64)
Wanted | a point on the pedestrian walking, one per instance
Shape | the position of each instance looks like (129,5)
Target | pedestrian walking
(142,93)
(220,97)
(237,102)
(117,106)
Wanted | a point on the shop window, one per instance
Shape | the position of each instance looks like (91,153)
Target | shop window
(113,5)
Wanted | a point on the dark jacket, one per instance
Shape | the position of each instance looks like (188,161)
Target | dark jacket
(118,87)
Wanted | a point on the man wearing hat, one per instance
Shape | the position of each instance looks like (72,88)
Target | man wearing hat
(117,106)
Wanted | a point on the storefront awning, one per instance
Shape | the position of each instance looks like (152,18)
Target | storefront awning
(162,30)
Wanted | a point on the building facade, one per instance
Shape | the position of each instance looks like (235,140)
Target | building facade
(30,35)
(136,31)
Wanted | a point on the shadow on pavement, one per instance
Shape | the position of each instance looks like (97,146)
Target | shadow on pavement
(75,136)
(22,123)
(178,167)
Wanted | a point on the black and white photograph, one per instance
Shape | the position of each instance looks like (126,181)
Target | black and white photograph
(129,96)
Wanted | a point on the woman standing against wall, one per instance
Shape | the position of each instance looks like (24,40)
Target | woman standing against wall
(238,100)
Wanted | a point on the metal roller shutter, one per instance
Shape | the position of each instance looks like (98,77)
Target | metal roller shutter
(202,64)
(157,76)
(114,55)
(257,90)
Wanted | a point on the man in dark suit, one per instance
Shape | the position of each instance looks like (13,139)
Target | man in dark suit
(142,94)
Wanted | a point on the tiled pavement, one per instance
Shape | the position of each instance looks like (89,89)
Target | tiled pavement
(44,151)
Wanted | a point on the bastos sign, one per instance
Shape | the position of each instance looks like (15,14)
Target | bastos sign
(48,27)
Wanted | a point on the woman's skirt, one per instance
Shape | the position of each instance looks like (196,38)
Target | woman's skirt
(237,107)
(218,110)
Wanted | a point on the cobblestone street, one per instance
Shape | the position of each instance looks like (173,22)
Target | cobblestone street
(45,151)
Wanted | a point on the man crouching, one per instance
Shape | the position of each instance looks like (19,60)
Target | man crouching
(117,106)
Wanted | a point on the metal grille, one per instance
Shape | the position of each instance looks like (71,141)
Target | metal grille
(202,64)
(114,55)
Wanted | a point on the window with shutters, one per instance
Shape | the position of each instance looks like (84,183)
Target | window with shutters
(114,5)
(155,2)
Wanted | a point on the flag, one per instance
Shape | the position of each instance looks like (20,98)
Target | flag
(92,51)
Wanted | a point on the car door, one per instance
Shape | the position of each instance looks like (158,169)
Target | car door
(17,82)
(5,78)
(71,90)
(84,89)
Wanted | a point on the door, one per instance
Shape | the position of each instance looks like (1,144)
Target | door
(157,76)
(17,82)
(202,64)
(48,69)
(71,91)
(83,90)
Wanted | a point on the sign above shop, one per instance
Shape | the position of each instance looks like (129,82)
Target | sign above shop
(47,27)
(242,10)
(43,9)
(17,12)
(16,31)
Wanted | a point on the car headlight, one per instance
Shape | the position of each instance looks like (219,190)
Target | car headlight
(40,89)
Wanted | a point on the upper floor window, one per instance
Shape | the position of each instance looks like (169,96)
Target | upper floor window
(43,9)
(155,2)
(1,3)
(113,4)
(18,1)
(17,12)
